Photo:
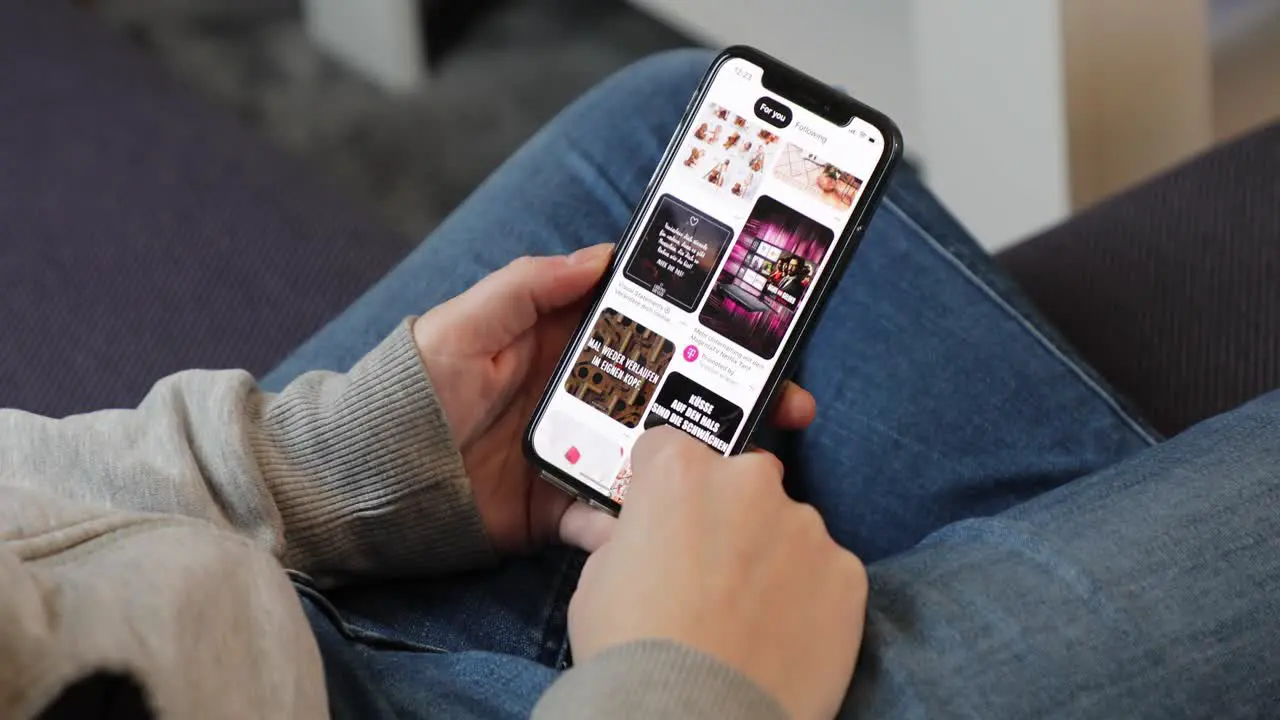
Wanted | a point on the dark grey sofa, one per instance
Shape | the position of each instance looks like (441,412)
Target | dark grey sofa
(1172,290)
(142,233)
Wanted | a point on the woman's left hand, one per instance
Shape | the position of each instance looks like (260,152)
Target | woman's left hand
(489,353)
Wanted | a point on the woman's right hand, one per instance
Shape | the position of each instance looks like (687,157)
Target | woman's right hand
(711,553)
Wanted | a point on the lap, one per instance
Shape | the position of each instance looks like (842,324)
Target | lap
(1150,589)
(374,676)
(941,395)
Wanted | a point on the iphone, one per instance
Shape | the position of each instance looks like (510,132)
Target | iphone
(749,220)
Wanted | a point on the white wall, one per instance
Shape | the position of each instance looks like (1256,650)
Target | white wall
(993,114)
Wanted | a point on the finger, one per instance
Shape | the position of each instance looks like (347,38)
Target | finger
(543,284)
(510,301)
(667,464)
(662,449)
(585,527)
(795,409)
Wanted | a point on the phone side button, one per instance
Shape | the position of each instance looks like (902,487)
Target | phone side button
(559,483)
(601,507)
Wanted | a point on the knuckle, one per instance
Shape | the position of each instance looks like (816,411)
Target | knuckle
(763,468)
(811,519)
(852,567)
(770,465)
(524,264)
(811,529)
(752,482)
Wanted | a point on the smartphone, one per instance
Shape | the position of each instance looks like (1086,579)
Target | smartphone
(749,220)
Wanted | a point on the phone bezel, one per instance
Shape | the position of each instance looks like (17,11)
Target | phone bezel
(813,94)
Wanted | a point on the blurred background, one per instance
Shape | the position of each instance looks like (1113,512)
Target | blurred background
(206,183)
(412,135)
(1018,112)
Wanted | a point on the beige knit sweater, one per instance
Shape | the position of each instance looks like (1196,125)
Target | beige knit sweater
(152,542)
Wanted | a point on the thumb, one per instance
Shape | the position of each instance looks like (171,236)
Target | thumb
(507,303)
(585,527)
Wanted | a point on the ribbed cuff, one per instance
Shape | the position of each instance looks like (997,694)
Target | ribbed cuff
(366,475)
(656,679)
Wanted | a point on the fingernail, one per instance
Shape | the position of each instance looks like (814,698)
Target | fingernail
(591,255)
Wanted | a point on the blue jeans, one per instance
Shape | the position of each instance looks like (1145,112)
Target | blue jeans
(1033,552)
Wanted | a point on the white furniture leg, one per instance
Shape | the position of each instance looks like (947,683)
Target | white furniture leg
(380,39)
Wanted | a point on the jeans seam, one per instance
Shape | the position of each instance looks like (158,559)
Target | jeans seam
(554,651)
(1027,326)
(356,634)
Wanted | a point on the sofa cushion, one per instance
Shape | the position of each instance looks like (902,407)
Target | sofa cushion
(1170,290)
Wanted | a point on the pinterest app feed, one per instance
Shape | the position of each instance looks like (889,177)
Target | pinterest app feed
(742,225)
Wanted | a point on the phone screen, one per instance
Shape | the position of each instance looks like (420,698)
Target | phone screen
(726,254)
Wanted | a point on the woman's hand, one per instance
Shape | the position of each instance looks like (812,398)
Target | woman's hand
(489,353)
(712,554)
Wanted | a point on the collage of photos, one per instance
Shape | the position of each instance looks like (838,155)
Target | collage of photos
(808,173)
(728,152)
(766,277)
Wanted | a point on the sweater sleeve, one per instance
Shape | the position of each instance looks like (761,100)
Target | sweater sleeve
(340,476)
(656,679)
